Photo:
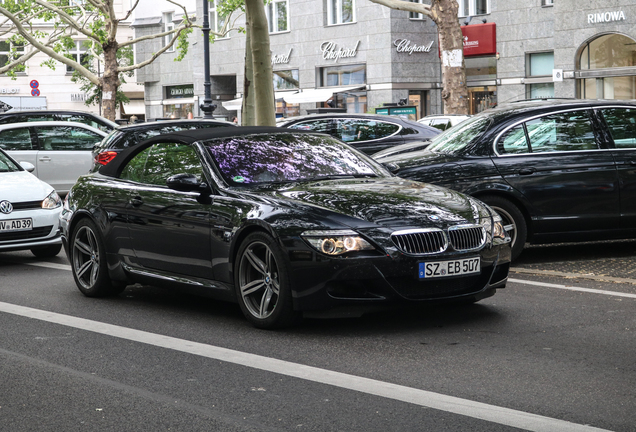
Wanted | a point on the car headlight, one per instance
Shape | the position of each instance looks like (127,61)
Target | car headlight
(336,242)
(498,230)
(52,201)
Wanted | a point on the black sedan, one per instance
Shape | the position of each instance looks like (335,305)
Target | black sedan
(368,133)
(556,171)
(281,221)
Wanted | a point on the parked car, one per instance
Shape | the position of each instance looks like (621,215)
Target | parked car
(29,211)
(88,118)
(127,136)
(368,133)
(281,222)
(556,171)
(443,121)
(60,151)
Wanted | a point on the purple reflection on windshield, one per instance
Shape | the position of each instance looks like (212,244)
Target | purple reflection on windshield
(285,157)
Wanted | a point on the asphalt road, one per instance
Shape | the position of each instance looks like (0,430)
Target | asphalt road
(553,351)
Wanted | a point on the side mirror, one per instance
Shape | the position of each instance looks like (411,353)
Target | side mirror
(185,183)
(27,166)
(392,167)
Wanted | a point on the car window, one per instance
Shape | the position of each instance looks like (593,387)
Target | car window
(81,118)
(441,124)
(6,164)
(287,158)
(353,130)
(622,126)
(561,132)
(323,126)
(16,139)
(66,138)
(157,163)
(513,141)
(455,139)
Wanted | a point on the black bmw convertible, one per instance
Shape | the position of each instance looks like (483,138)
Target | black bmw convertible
(283,222)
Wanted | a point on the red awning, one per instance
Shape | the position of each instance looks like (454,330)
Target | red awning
(480,39)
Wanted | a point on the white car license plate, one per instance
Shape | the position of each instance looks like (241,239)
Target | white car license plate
(435,269)
(16,225)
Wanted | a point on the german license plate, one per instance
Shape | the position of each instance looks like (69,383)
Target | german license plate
(16,225)
(436,269)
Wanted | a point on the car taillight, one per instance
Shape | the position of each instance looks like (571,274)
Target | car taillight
(104,157)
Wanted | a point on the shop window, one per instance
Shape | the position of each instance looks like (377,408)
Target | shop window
(416,16)
(600,56)
(286,79)
(342,75)
(481,68)
(168,25)
(278,16)
(469,8)
(547,3)
(340,11)
(80,54)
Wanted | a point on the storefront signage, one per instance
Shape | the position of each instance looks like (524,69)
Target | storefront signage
(78,97)
(330,51)
(480,39)
(281,58)
(406,46)
(180,91)
(9,90)
(604,17)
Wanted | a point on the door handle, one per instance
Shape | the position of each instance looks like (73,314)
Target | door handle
(136,202)
(45,159)
(633,162)
(526,171)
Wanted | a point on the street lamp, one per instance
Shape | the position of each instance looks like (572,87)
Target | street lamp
(207,106)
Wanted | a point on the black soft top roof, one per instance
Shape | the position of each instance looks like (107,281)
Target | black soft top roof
(191,136)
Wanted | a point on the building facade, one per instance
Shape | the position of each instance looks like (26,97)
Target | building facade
(359,56)
(40,87)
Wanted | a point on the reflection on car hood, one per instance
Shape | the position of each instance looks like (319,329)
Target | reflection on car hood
(402,148)
(390,202)
(22,186)
(417,158)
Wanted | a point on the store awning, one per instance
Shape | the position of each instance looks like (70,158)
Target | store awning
(236,104)
(318,95)
(135,107)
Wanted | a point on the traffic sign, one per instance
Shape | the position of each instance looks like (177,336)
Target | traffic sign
(34,84)
(35,92)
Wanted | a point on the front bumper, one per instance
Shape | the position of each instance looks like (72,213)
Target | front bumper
(324,283)
(45,231)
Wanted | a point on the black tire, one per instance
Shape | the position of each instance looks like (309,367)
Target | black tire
(88,261)
(261,278)
(47,251)
(513,220)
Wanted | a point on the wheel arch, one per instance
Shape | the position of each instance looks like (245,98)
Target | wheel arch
(514,200)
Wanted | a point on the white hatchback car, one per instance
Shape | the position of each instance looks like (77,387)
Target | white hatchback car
(29,211)
(443,121)
(60,151)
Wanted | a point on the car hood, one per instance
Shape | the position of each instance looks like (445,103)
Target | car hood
(22,186)
(390,202)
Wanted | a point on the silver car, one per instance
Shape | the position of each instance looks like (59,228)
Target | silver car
(29,211)
(60,151)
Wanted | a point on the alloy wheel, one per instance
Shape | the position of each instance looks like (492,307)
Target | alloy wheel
(259,282)
(86,257)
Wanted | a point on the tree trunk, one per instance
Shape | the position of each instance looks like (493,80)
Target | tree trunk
(248,113)
(110,81)
(263,85)
(451,45)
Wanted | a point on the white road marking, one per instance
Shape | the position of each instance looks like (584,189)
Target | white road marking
(573,288)
(491,413)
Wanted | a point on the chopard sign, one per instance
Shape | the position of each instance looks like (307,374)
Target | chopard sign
(406,46)
(330,51)
(281,58)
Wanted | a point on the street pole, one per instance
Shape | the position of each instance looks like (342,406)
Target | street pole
(207,106)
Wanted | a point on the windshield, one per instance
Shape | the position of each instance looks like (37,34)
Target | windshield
(286,157)
(6,164)
(457,138)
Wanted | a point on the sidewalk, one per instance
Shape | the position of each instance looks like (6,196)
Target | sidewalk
(613,261)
